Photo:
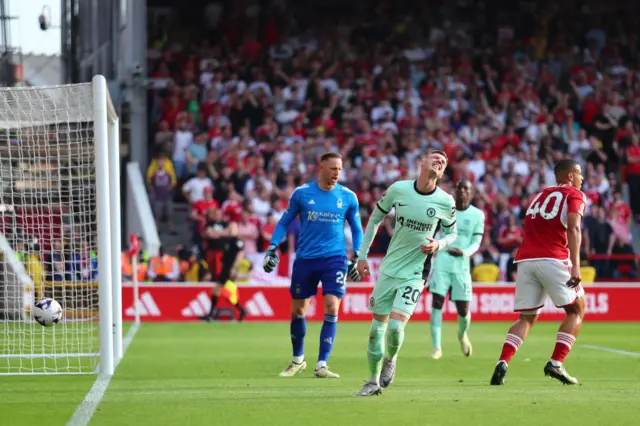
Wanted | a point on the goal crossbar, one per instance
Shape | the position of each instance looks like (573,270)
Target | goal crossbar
(51,105)
(32,356)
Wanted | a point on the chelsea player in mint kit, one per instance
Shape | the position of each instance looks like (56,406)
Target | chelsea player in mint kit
(321,255)
(452,270)
(421,208)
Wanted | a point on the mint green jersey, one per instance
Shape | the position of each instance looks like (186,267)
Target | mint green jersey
(470,229)
(417,216)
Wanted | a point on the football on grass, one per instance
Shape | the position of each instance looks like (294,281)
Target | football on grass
(47,312)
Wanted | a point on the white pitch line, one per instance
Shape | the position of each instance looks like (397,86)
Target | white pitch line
(615,351)
(87,407)
(129,337)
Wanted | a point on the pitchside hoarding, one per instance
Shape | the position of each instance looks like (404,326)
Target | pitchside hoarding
(188,301)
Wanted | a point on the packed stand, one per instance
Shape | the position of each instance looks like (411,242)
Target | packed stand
(243,113)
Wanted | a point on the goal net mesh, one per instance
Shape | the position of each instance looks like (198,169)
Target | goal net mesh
(48,245)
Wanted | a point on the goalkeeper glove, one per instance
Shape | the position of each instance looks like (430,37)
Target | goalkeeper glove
(352,270)
(270,259)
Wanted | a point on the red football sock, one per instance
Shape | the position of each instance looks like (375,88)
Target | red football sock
(564,343)
(510,347)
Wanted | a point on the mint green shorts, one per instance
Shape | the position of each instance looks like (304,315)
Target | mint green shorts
(458,283)
(399,295)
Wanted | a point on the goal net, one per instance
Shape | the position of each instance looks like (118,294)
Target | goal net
(59,228)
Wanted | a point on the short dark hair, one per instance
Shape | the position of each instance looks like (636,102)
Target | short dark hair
(328,155)
(564,167)
(464,182)
(441,152)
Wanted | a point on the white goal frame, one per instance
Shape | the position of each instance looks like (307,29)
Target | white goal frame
(107,151)
(107,174)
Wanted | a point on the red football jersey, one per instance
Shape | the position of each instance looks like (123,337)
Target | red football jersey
(545,223)
(201,207)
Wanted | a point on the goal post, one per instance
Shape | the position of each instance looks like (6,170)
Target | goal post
(60,221)
(104,119)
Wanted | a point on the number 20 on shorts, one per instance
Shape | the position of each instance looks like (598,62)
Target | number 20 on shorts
(411,294)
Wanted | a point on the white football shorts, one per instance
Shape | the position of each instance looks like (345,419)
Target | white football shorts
(541,277)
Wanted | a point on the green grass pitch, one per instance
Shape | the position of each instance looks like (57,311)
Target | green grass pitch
(226,374)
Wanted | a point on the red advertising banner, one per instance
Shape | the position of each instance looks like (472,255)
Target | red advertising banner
(186,302)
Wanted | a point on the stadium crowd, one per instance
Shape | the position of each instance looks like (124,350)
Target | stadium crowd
(243,109)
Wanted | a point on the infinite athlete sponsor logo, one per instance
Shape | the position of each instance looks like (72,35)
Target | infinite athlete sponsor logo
(415,225)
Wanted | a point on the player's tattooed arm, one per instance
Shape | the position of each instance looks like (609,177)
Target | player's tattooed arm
(370,232)
(574,237)
(353,217)
(383,207)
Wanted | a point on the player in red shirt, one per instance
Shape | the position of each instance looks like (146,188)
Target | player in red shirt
(549,264)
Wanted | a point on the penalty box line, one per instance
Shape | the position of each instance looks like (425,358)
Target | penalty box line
(612,350)
(83,413)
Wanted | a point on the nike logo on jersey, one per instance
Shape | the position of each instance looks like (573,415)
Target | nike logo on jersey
(402,205)
(312,202)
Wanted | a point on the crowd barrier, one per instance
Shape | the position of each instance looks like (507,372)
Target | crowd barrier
(177,302)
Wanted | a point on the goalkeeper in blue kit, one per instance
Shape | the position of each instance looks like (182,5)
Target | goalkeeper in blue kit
(421,208)
(452,270)
(321,256)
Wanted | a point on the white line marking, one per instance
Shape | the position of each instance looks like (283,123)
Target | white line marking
(87,407)
(615,351)
(129,337)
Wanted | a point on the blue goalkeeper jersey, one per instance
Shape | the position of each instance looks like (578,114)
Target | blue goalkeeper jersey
(322,217)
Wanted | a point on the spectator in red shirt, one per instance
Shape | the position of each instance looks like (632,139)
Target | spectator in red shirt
(200,208)
(510,236)
(633,174)
(251,47)
(266,230)
(174,108)
(232,207)
(590,109)
(510,137)
(623,212)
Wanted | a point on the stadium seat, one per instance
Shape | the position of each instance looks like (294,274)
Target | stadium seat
(588,274)
(485,273)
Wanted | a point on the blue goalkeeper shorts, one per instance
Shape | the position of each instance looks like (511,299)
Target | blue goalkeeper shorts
(308,273)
